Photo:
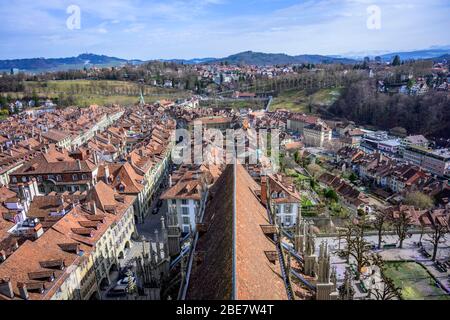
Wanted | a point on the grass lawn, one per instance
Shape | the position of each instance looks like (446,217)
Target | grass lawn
(298,100)
(101,92)
(414,280)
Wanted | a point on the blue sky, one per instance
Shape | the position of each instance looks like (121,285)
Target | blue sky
(150,29)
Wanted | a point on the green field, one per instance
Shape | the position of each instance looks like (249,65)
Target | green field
(101,92)
(298,100)
(236,105)
(415,282)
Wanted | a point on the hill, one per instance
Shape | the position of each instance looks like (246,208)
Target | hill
(261,59)
(416,55)
(58,64)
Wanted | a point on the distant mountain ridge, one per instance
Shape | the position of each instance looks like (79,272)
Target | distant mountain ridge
(248,57)
(416,55)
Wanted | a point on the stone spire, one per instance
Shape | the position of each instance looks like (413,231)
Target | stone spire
(299,236)
(333,277)
(310,241)
(324,264)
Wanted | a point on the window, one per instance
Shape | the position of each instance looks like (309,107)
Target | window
(184,201)
(84,177)
(14,179)
(174,201)
(287,208)
(58,178)
(288,219)
(186,220)
(39,178)
(184,211)
(24,179)
(74,177)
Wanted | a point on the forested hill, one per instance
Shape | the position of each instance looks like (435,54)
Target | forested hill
(58,64)
(427,114)
(261,59)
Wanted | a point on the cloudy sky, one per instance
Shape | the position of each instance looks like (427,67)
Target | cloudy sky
(151,29)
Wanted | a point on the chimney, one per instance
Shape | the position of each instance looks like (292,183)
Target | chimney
(61,200)
(94,208)
(23,291)
(2,255)
(106,174)
(6,288)
(264,190)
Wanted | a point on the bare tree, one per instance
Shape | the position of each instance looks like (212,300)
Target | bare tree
(401,220)
(380,224)
(389,290)
(440,228)
(357,247)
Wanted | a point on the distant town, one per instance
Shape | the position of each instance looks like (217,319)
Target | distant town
(94,207)
(257,176)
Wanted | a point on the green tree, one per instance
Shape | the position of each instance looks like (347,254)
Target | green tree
(332,195)
(419,200)
(297,157)
(396,61)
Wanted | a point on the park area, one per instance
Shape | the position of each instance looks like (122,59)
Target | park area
(415,281)
(299,100)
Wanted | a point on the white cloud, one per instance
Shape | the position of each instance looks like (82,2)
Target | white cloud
(194,28)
